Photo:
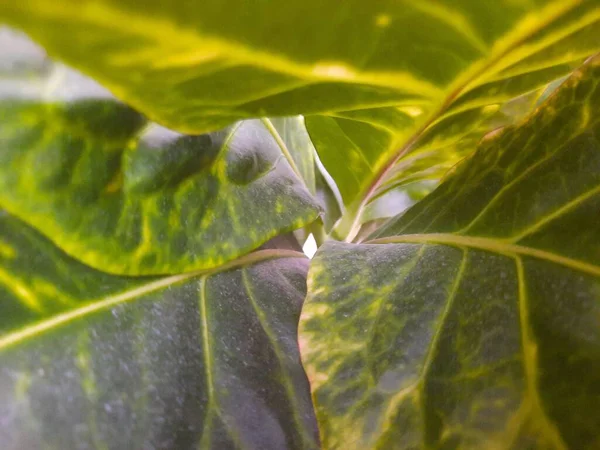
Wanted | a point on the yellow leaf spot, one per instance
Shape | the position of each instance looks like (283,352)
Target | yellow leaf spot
(22,386)
(490,109)
(26,296)
(315,311)
(115,184)
(383,20)
(6,251)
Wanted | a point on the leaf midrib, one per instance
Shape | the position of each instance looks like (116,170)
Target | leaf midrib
(530,363)
(498,246)
(14,337)
(461,85)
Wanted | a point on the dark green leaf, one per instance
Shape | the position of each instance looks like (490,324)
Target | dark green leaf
(130,200)
(472,320)
(200,360)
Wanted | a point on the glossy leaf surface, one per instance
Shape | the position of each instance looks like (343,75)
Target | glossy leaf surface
(372,150)
(391,102)
(200,360)
(471,320)
(126,199)
(197,66)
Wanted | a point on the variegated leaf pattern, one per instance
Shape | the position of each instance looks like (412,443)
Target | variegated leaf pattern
(202,360)
(370,151)
(129,197)
(388,102)
(472,320)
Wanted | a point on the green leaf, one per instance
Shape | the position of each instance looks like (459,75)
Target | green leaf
(371,149)
(293,139)
(199,360)
(471,321)
(391,102)
(133,200)
(328,194)
(295,143)
(197,66)
(397,200)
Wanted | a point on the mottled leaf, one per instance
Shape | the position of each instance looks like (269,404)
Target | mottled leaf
(195,66)
(200,360)
(370,149)
(131,198)
(473,320)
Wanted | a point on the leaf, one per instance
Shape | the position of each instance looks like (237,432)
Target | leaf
(198,66)
(294,139)
(372,149)
(328,194)
(397,200)
(198,360)
(391,102)
(133,200)
(471,320)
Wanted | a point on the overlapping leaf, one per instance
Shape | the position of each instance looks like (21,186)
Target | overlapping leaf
(139,201)
(201,360)
(396,144)
(195,66)
(293,138)
(471,321)
(395,102)
(294,141)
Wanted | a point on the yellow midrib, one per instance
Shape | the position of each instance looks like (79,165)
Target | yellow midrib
(45,325)
(529,25)
(530,363)
(491,245)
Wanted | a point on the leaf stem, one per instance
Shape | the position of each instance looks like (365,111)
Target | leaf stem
(349,224)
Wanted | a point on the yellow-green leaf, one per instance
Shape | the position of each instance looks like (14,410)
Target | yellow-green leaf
(201,360)
(370,149)
(472,320)
(131,198)
(199,65)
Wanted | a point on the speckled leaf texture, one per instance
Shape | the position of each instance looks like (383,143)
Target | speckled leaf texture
(130,197)
(472,320)
(203,360)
